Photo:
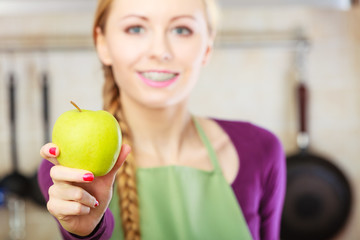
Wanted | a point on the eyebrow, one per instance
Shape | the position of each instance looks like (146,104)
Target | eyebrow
(146,19)
(135,15)
(183,16)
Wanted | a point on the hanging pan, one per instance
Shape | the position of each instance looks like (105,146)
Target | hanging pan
(318,196)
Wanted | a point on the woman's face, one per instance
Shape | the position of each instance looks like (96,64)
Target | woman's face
(156,48)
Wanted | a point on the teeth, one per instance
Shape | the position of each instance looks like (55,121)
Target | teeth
(158,76)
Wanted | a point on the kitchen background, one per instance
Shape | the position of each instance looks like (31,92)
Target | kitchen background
(252,77)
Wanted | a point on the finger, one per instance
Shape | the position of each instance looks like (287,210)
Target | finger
(60,208)
(73,193)
(49,152)
(65,174)
(125,150)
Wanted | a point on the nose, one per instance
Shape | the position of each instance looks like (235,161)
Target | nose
(160,48)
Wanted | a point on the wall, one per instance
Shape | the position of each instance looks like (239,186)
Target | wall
(253,84)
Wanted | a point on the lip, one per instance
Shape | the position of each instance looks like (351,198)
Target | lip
(157,84)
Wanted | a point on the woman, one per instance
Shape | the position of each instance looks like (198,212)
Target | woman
(187,177)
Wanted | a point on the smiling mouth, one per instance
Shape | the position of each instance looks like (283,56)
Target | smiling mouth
(158,76)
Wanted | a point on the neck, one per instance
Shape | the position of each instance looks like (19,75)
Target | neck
(158,132)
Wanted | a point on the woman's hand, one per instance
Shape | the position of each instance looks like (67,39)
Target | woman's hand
(77,199)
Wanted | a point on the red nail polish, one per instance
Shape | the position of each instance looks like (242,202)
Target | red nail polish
(52,151)
(96,204)
(88,177)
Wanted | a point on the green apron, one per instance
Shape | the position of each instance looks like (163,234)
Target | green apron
(179,202)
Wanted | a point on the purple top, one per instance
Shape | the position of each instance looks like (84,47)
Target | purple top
(259,185)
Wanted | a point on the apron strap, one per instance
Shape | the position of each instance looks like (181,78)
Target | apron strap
(210,149)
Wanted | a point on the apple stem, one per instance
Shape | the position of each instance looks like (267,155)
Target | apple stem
(75,105)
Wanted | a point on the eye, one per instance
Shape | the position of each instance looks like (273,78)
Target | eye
(135,30)
(184,31)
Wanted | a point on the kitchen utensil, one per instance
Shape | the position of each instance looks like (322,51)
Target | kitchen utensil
(318,196)
(15,182)
(35,193)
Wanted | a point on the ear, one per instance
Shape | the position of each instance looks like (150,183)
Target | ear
(102,48)
(208,52)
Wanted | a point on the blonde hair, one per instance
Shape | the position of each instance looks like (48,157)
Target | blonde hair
(213,17)
(126,177)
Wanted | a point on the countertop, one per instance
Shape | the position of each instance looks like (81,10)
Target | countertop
(39,224)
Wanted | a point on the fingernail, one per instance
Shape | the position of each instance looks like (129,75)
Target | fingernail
(96,203)
(52,151)
(88,177)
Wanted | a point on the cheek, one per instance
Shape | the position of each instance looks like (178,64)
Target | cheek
(125,53)
(190,53)
(124,58)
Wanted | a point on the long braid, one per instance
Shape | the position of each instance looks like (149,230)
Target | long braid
(126,177)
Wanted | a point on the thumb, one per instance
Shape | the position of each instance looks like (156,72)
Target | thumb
(125,150)
(50,152)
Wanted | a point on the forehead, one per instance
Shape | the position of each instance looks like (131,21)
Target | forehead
(158,8)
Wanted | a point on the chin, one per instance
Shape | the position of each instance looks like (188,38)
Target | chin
(163,102)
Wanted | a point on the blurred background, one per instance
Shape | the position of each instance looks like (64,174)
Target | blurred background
(264,50)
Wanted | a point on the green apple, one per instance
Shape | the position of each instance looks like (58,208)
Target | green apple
(89,140)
